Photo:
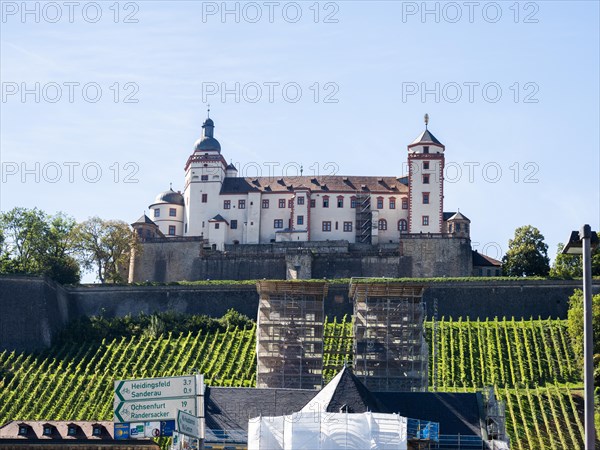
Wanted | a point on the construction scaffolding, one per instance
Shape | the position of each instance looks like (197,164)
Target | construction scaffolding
(495,420)
(390,351)
(363,218)
(289,337)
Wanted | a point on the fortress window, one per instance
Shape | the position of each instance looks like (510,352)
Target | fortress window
(216,225)
(326,226)
(234,224)
(172,212)
(426,178)
(425,220)
(301,200)
(326,202)
(291,203)
(204,198)
(402,225)
(426,165)
(340,202)
(426,198)
(278,223)
(186,227)
(282,203)
(466,227)
(204,177)
(171,230)
(457,227)
(347,226)
(379,202)
(313,203)
(265,204)
(241,204)
(426,149)
(392,203)
(300,220)
(382,224)
(226,204)
(404,203)
(157,212)
(353,202)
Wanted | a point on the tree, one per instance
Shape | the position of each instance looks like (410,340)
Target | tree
(33,242)
(105,245)
(575,325)
(527,253)
(571,266)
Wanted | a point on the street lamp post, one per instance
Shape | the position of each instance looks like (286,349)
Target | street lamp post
(581,243)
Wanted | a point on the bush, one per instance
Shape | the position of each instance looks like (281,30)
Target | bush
(97,328)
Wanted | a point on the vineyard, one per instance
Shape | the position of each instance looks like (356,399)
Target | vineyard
(530,363)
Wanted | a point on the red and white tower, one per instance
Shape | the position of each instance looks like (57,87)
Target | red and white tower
(425,183)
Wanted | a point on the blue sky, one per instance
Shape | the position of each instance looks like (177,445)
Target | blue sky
(524,149)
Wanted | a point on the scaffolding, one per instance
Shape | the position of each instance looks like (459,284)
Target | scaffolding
(289,337)
(363,218)
(495,420)
(390,351)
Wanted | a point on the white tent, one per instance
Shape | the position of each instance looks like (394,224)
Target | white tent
(328,431)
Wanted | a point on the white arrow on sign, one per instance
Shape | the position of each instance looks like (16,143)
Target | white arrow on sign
(151,388)
(153,410)
(190,425)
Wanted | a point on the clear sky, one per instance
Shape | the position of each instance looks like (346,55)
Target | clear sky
(102,101)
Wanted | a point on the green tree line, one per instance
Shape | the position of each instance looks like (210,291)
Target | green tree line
(33,242)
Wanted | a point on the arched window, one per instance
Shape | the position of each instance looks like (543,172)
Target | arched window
(402,225)
(382,224)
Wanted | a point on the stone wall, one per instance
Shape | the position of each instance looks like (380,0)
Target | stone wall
(437,255)
(33,310)
(424,255)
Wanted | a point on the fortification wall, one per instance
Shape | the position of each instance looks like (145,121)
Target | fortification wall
(437,255)
(35,309)
(32,311)
(417,256)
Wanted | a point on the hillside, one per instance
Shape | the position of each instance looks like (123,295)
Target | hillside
(530,363)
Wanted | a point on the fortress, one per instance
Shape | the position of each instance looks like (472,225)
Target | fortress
(228,227)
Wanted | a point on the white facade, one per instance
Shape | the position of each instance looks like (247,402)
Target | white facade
(227,209)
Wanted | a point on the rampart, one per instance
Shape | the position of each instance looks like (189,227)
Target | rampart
(33,310)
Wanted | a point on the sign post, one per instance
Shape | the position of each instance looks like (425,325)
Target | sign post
(153,410)
(151,388)
(162,401)
(190,425)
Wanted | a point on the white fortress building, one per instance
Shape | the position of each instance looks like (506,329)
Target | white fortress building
(224,208)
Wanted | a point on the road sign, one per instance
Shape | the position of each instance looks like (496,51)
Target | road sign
(121,431)
(153,388)
(189,425)
(153,410)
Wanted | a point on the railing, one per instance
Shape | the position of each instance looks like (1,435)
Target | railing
(458,442)
(226,436)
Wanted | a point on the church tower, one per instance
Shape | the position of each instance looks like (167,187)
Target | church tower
(426,183)
(204,174)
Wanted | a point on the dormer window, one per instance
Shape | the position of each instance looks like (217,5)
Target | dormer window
(48,429)
(24,429)
(97,429)
(426,149)
(72,429)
